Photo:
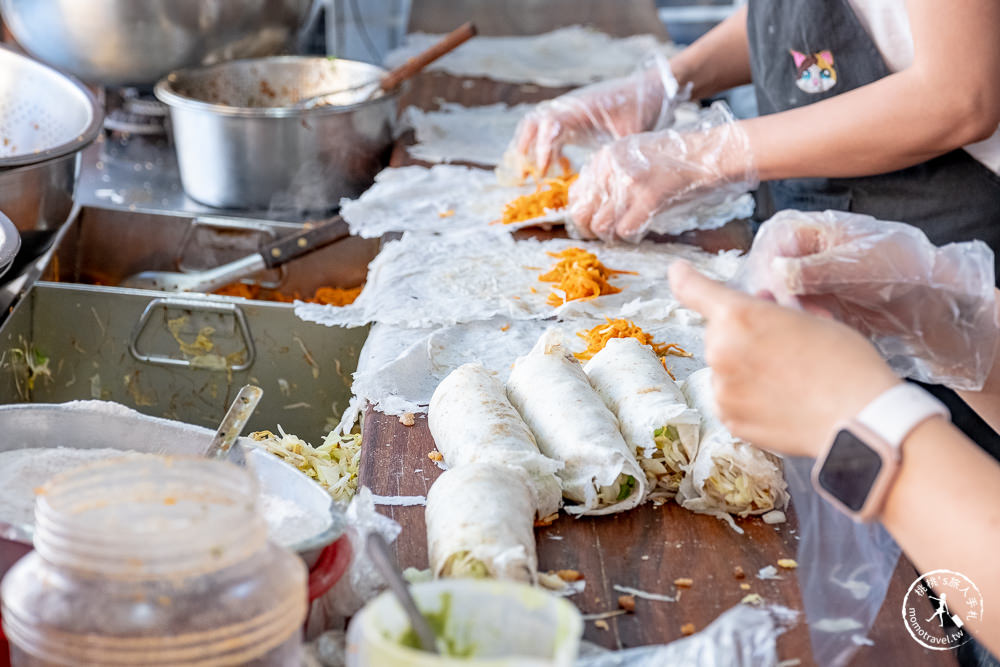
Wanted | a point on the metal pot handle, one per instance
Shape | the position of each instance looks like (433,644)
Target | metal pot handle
(193,305)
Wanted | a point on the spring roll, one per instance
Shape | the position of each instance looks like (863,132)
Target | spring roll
(472,421)
(728,475)
(655,418)
(480,523)
(571,424)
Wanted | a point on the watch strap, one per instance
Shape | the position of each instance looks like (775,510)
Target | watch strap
(894,413)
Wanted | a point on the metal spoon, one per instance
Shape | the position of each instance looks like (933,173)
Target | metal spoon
(232,424)
(379,552)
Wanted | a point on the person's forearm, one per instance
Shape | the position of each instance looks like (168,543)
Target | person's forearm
(718,61)
(942,101)
(896,122)
(944,510)
(986,401)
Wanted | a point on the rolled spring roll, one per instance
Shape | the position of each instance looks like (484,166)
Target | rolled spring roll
(654,416)
(480,523)
(472,421)
(728,475)
(571,424)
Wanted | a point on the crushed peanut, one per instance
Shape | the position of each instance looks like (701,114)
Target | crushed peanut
(739,573)
(627,602)
(602,624)
(546,520)
(787,563)
(744,587)
(687,629)
(435,456)
(683,582)
(569,575)
(407,419)
(753,599)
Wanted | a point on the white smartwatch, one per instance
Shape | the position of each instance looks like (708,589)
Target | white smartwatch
(857,468)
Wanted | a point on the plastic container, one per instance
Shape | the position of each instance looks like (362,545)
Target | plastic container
(483,623)
(153,560)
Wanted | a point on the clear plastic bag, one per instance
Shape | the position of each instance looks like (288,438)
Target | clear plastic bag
(844,569)
(743,636)
(931,311)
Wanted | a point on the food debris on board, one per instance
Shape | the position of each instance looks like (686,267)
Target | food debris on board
(407,419)
(687,629)
(627,602)
(787,563)
(753,599)
(768,572)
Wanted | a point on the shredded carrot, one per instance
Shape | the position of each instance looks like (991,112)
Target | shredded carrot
(599,336)
(505,327)
(551,194)
(447,214)
(579,275)
(329,296)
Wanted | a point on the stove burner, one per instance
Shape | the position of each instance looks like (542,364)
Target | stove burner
(130,111)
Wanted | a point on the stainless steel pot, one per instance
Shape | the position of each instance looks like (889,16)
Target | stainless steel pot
(136,42)
(242,142)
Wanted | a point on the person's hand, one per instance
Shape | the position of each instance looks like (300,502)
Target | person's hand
(594,115)
(625,184)
(931,311)
(783,379)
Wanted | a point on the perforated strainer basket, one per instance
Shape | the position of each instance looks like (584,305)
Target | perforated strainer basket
(43,114)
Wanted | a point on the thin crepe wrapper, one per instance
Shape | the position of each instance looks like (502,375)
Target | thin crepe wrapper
(718,443)
(487,510)
(631,380)
(472,421)
(571,424)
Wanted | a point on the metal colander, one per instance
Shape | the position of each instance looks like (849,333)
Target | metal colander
(43,114)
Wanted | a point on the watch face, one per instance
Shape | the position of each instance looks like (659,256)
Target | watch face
(850,470)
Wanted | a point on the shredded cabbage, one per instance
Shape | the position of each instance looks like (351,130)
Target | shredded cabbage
(622,488)
(736,491)
(333,465)
(665,467)
(462,564)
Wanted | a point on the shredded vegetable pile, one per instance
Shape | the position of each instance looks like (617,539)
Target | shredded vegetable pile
(551,194)
(327,296)
(599,336)
(334,464)
(739,492)
(579,275)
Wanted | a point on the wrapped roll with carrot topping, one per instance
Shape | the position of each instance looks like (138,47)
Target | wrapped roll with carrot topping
(571,424)
(654,416)
(728,475)
(480,523)
(473,422)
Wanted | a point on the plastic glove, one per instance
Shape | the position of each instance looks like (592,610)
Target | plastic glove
(593,115)
(930,311)
(626,184)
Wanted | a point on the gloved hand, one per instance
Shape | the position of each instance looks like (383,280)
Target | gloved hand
(593,115)
(625,184)
(930,311)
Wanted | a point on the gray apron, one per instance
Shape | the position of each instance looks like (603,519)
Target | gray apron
(804,51)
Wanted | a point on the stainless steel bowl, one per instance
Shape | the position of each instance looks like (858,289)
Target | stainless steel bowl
(46,120)
(10,241)
(136,42)
(99,424)
(242,142)
(43,114)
